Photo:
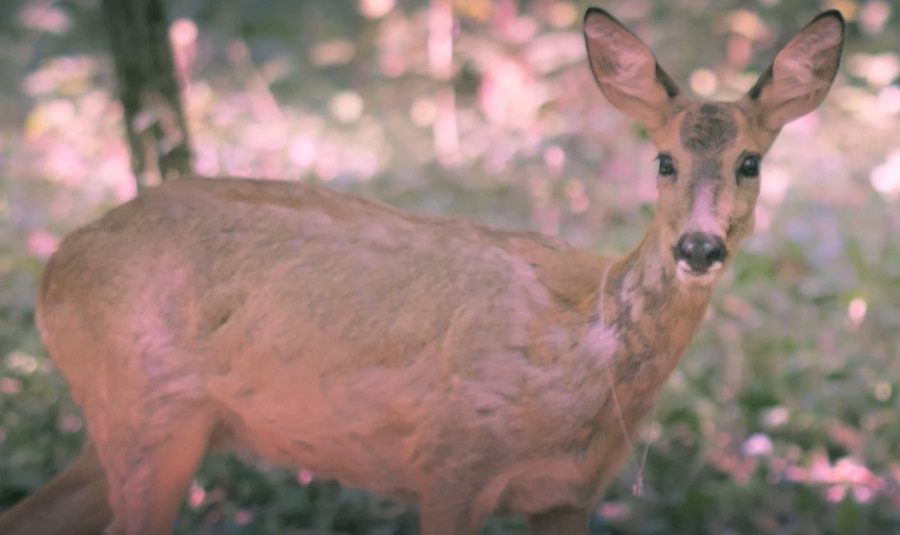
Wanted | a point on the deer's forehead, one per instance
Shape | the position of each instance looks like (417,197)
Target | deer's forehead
(709,128)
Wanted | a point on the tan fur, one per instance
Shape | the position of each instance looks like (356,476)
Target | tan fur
(467,369)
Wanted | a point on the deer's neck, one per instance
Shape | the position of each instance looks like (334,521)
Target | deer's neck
(652,313)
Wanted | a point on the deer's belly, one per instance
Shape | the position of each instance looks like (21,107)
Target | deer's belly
(363,430)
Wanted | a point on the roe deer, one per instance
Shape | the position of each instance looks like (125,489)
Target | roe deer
(466,369)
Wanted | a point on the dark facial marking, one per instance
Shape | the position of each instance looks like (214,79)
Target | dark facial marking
(706,171)
(708,128)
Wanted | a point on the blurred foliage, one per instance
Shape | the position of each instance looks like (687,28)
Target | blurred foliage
(782,417)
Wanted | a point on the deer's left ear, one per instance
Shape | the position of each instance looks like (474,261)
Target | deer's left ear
(799,79)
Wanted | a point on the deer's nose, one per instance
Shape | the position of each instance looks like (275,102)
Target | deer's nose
(700,251)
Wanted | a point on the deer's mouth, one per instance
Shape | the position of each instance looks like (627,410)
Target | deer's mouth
(690,275)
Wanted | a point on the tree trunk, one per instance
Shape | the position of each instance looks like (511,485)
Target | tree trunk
(154,118)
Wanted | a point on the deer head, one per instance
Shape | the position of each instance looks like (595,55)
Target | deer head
(710,152)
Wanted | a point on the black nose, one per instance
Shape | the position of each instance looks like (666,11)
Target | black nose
(700,251)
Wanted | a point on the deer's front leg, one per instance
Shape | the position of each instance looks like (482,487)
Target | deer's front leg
(560,521)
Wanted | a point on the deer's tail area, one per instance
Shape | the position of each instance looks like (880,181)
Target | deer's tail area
(73,503)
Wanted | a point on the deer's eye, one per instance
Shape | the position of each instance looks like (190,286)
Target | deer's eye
(666,165)
(749,166)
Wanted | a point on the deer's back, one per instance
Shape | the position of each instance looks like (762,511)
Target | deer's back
(205,252)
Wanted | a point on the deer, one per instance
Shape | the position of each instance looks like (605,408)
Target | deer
(432,359)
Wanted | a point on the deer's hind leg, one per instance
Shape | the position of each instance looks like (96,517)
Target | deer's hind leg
(148,480)
(150,424)
(73,503)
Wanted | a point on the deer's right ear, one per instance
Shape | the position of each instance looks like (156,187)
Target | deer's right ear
(626,70)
